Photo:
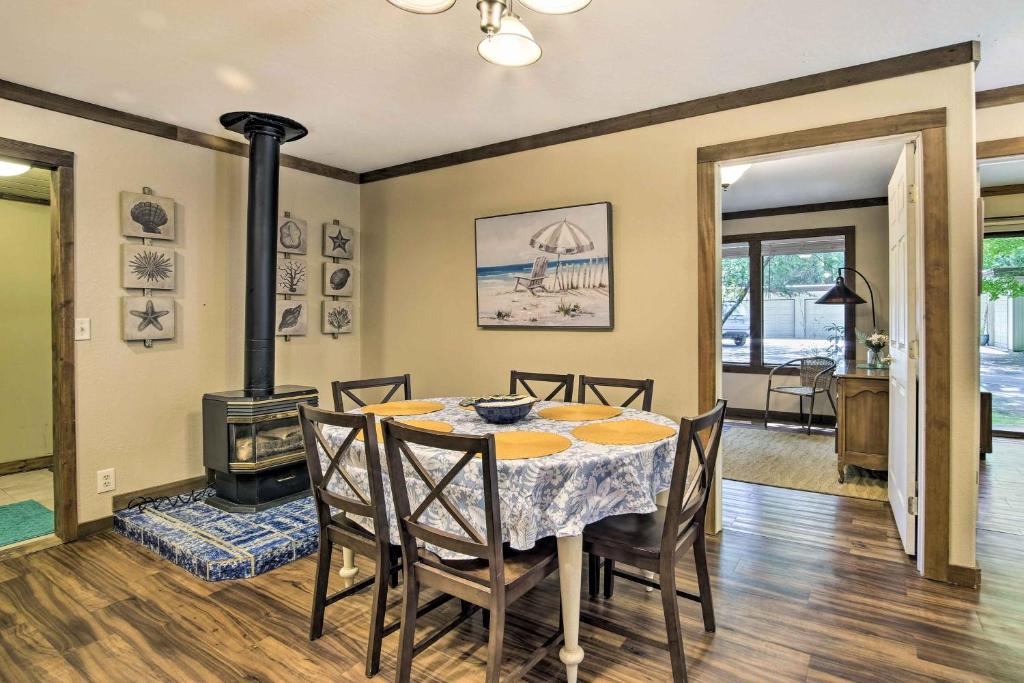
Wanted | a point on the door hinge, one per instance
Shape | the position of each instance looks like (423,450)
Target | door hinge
(912,351)
(912,505)
(912,194)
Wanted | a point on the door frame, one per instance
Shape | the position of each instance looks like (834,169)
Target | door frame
(934,367)
(62,316)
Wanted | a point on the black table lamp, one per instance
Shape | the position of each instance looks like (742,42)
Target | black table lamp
(841,294)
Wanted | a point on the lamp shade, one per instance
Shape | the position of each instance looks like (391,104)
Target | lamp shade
(555,6)
(841,294)
(513,45)
(423,6)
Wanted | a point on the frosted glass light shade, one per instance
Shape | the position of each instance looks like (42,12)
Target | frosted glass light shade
(423,6)
(513,45)
(555,6)
(9,168)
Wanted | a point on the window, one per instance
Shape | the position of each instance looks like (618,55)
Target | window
(770,283)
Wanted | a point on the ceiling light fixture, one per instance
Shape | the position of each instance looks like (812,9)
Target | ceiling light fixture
(10,168)
(508,41)
(730,174)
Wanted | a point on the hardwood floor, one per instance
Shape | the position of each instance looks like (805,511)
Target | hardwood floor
(807,587)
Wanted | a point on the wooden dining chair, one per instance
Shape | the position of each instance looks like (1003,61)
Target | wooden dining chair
(338,529)
(653,542)
(346,388)
(563,384)
(644,388)
(492,578)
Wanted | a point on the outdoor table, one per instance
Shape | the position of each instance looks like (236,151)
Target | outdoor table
(552,495)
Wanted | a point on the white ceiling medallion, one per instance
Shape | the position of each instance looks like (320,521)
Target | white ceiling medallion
(423,6)
(555,6)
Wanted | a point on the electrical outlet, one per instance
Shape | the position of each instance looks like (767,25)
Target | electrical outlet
(105,480)
(83,329)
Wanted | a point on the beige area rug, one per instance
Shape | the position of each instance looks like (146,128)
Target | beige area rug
(793,460)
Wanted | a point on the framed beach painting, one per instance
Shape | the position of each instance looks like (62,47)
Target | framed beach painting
(549,269)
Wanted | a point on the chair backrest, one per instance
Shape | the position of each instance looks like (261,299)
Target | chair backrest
(643,388)
(347,496)
(688,494)
(563,384)
(540,267)
(816,371)
(339,388)
(400,441)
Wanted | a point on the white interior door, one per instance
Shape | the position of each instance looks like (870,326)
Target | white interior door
(903,348)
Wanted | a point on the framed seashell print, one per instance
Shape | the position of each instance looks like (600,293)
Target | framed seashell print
(145,266)
(339,241)
(147,317)
(291,276)
(146,215)
(337,317)
(292,318)
(292,235)
(339,279)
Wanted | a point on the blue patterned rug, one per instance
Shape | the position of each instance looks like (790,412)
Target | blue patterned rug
(216,545)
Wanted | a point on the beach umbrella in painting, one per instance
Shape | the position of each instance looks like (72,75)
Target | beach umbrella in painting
(562,238)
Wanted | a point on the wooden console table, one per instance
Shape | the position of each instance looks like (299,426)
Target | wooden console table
(863,419)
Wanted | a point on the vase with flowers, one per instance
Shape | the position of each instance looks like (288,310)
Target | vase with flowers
(874,343)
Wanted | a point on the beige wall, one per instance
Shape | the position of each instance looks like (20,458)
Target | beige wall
(138,409)
(996,123)
(419,276)
(26,420)
(871,226)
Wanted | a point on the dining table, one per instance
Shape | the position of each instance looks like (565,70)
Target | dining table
(600,469)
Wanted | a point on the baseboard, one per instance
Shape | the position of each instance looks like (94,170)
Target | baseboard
(779,416)
(28,547)
(26,465)
(95,526)
(964,576)
(173,488)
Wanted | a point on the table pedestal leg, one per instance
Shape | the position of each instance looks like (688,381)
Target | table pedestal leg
(349,568)
(570,572)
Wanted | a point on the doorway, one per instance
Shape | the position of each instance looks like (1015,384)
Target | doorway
(37,460)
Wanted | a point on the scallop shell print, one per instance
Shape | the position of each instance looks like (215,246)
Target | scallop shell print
(150,216)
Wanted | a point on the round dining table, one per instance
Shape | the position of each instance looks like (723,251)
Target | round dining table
(549,495)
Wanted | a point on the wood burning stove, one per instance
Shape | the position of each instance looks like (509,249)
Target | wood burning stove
(251,437)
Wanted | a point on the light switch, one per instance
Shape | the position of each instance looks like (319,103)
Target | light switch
(83,329)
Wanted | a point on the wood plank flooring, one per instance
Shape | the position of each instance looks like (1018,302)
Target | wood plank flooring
(807,587)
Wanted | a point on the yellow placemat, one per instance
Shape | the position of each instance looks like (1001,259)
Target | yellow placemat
(434,425)
(525,445)
(623,432)
(578,412)
(398,408)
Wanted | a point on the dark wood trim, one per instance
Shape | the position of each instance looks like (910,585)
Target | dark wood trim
(928,60)
(965,576)
(1006,147)
(140,124)
(38,155)
(708,314)
(999,190)
(806,208)
(936,407)
(745,414)
(174,488)
(899,124)
(26,465)
(6,196)
(1005,434)
(999,97)
(95,526)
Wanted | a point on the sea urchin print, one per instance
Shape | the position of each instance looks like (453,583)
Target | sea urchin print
(151,266)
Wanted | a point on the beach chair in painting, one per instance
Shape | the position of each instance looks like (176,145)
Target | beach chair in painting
(537,276)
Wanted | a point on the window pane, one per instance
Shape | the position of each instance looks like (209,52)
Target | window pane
(736,303)
(794,274)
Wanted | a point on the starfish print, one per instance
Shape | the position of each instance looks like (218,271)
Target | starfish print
(150,316)
(339,242)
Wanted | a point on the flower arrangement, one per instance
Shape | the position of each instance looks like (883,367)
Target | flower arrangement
(874,342)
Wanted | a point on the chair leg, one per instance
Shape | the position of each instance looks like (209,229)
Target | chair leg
(801,409)
(835,411)
(594,575)
(810,414)
(323,574)
(700,559)
(407,632)
(767,405)
(495,641)
(672,623)
(377,610)
(393,577)
(609,578)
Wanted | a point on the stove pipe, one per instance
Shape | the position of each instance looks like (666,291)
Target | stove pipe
(265,133)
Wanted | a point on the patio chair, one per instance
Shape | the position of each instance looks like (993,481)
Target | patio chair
(815,378)
(536,278)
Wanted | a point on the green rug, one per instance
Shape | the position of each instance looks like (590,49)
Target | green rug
(24,520)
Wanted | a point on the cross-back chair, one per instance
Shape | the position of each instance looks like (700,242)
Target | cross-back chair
(652,542)
(563,384)
(644,389)
(350,499)
(493,577)
(347,388)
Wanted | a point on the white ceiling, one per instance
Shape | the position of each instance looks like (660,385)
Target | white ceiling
(1002,172)
(34,184)
(378,86)
(835,174)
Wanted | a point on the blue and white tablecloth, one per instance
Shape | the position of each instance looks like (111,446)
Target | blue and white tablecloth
(555,495)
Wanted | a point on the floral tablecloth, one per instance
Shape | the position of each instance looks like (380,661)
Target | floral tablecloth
(554,495)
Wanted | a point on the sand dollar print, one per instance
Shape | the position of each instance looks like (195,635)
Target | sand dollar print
(292,235)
